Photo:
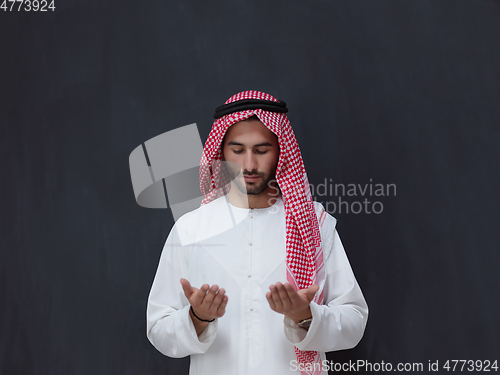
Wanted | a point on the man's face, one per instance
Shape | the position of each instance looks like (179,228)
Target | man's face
(255,149)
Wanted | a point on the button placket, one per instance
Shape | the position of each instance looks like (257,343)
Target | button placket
(250,240)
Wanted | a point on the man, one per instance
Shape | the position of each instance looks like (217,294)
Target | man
(256,280)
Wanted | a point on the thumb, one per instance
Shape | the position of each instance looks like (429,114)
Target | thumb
(311,291)
(186,286)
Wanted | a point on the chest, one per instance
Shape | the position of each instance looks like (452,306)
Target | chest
(254,249)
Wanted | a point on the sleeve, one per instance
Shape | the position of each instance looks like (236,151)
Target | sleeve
(341,321)
(169,325)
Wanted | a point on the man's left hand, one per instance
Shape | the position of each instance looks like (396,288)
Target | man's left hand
(284,299)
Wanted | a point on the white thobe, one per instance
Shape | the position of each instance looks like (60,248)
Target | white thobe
(243,251)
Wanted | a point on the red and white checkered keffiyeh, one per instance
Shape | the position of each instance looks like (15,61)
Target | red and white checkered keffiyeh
(304,254)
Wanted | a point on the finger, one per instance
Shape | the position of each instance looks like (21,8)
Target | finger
(270,300)
(285,299)
(186,287)
(209,297)
(276,298)
(198,296)
(221,310)
(311,291)
(292,293)
(217,300)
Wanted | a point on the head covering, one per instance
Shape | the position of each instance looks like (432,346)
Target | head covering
(304,254)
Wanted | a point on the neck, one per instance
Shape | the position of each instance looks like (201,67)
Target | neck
(265,199)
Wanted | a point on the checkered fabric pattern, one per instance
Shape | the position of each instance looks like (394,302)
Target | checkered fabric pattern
(304,254)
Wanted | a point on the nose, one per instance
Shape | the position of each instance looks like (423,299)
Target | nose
(249,162)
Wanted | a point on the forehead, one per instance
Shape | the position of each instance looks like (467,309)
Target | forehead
(249,133)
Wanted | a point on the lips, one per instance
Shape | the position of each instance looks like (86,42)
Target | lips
(251,178)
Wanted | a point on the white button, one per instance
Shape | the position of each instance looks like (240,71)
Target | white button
(249,275)
(249,244)
(251,309)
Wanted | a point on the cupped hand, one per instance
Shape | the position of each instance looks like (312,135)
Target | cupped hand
(208,302)
(284,299)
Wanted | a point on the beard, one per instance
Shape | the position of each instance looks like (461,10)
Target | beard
(250,188)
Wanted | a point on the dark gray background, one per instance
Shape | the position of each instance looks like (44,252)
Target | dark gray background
(403,92)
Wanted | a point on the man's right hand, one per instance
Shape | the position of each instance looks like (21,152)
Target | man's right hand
(208,302)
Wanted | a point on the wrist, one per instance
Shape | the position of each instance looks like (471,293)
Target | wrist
(300,316)
(200,318)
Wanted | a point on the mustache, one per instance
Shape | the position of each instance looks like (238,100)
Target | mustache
(253,173)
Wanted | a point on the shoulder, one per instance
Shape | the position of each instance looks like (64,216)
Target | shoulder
(192,218)
(207,221)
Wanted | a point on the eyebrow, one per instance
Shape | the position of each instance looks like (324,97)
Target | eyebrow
(232,143)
